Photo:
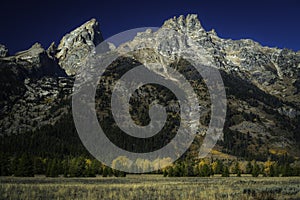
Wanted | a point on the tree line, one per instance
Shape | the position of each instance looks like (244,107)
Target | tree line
(28,166)
(206,168)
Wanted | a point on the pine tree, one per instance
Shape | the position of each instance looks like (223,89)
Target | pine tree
(272,171)
(239,173)
(73,167)
(217,167)
(287,170)
(177,171)
(165,172)
(54,171)
(205,170)
(211,170)
(225,171)
(105,171)
(90,170)
(65,166)
(25,166)
(249,168)
(255,170)
(196,171)
(38,166)
(96,167)
(81,165)
(171,172)
(118,173)
(53,168)
(110,172)
(4,165)
(236,167)
(14,165)
(188,169)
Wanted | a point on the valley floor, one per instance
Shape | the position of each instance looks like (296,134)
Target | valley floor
(150,187)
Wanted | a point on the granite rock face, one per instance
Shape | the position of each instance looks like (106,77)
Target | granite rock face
(75,46)
(34,62)
(272,70)
(262,83)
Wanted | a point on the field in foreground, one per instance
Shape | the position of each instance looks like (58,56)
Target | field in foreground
(150,187)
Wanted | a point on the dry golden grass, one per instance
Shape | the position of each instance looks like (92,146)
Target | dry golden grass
(150,187)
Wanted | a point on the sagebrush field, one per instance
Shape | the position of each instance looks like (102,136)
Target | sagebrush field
(150,187)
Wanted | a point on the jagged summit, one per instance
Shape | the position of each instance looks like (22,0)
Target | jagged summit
(189,25)
(35,49)
(190,22)
(3,51)
(76,45)
(34,62)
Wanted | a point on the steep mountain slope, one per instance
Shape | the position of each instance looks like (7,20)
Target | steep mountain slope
(36,88)
(262,85)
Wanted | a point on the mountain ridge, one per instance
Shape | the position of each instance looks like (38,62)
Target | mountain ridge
(262,83)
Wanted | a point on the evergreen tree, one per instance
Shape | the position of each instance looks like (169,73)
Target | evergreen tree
(105,171)
(217,167)
(225,171)
(272,171)
(52,168)
(211,170)
(110,172)
(24,166)
(196,170)
(239,173)
(5,169)
(204,171)
(249,168)
(165,172)
(73,168)
(287,170)
(118,173)
(170,171)
(14,165)
(90,170)
(177,171)
(77,167)
(188,169)
(38,166)
(236,167)
(65,166)
(255,170)
(81,166)
(96,167)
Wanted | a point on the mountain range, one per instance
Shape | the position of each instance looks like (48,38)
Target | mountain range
(262,87)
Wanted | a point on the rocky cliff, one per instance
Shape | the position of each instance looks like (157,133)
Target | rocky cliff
(76,45)
(262,83)
(3,51)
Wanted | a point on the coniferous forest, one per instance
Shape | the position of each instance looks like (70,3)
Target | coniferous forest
(57,151)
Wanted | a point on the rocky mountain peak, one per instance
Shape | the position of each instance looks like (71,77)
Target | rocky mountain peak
(188,24)
(3,51)
(34,62)
(76,45)
(32,52)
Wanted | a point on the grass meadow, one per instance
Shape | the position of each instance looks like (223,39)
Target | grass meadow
(135,187)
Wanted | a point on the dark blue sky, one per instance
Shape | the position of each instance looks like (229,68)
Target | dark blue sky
(272,23)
